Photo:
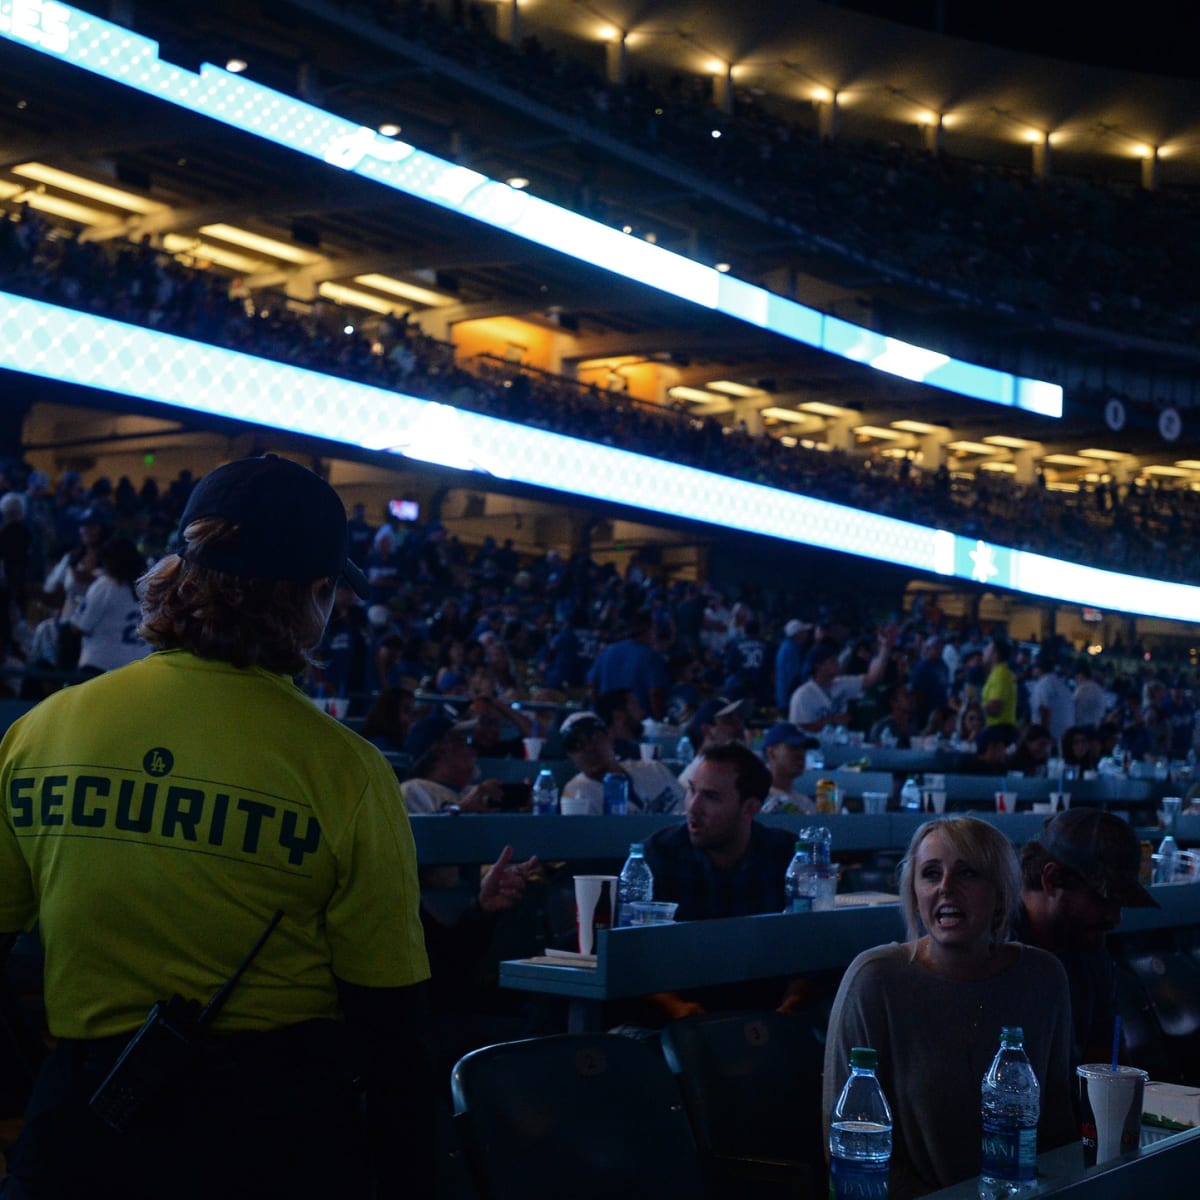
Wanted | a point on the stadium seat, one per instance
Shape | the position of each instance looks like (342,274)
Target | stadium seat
(1145,1043)
(1172,984)
(590,1116)
(751,1082)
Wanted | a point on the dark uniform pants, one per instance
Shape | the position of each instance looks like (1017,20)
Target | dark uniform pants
(261,1115)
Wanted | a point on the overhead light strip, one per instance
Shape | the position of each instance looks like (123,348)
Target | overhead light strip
(127,58)
(79,185)
(95,352)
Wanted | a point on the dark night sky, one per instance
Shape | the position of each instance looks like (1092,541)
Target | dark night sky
(1159,36)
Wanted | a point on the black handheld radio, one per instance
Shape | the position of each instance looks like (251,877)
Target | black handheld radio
(164,1048)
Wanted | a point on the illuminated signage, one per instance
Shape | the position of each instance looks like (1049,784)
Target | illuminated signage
(120,55)
(96,352)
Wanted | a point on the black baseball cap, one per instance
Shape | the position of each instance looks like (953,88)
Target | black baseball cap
(577,727)
(1102,849)
(430,730)
(787,734)
(290,523)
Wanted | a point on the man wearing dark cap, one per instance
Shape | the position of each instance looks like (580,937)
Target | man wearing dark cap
(589,746)
(825,698)
(443,770)
(785,747)
(1075,879)
(155,821)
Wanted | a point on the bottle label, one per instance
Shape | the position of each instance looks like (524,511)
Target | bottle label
(616,795)
(797,904)
(1009,1152)
(853,1179)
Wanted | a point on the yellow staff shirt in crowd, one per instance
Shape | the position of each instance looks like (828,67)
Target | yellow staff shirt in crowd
(154,818)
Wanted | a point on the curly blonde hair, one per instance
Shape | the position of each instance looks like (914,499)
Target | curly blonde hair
(269,623)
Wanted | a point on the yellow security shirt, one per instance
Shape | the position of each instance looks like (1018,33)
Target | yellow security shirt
(155,817)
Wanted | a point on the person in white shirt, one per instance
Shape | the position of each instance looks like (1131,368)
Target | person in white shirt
(107,620)
(825,698)
(1090,704)
(1050,702)
(444,767)
(652,787)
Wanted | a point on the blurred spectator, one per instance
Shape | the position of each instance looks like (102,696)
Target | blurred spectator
(633,662)
(16,546)
(1089,702)
(389,720)
(785,747)
(444,767)
(107,621)
(999,695)
(1051,703)
(652,787)
(825,698)
(623,715)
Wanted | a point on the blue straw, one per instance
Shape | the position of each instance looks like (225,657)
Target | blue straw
(1116,1039)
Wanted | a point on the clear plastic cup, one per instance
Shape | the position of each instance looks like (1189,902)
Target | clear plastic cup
(652,912)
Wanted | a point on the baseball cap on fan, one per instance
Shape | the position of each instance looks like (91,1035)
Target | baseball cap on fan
(289,523)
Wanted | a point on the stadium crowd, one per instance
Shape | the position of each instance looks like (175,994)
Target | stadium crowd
(486,628)
(1146,528)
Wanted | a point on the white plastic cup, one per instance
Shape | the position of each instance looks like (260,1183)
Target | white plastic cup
(935,800)
(875,803)
(1060,801)
(588,891)
(648,750)
(533,748)
(1006,802)
(1110,1110)
(574,806)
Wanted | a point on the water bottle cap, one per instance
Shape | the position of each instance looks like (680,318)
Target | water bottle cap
(864,1058)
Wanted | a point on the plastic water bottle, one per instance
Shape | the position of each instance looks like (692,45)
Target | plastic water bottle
(1010,1109)
(684,751)
(800,881)
(910,795)
(860,1134)
(1168,860)
(817,840)
(545,794)
(636,882)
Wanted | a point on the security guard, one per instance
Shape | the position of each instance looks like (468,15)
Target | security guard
(154,819)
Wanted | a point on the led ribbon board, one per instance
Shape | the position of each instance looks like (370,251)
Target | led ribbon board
(118,54)
(58,343)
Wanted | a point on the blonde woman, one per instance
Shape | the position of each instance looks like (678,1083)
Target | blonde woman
(933,1007)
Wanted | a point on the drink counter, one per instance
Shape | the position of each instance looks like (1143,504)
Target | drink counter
(697,954)
(444,839)
(1169,1167)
